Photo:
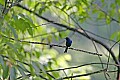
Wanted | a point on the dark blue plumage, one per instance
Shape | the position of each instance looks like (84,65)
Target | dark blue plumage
(68,43)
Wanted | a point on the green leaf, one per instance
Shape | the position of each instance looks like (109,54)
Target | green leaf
(5,71)
(27,19)
(36,5)
(20,24)
(21,15)
(42,9)
(13,73)
(118,2)
(100,16)
(56,74)
(112,36)
(31,70)
(36,67)
(1,61)
(21,71)
(2,2)
(63,34)
(108,20)
(85,2)
(49,38)
(22,67)
(12,46)
(102,1)
(118,36)
(42,67)
(14,32)
(37,78)
(115,35)
(30,31)
(37,54)
(15,17)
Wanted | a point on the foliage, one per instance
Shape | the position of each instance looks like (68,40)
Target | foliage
(25,60)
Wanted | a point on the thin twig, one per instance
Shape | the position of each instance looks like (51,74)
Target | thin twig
(99,71)
(79,66)
(45,34)
(118,72)
(53,45)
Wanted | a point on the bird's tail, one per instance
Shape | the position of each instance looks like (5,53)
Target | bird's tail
(66,50)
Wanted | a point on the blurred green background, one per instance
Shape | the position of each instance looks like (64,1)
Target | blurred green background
(100,17)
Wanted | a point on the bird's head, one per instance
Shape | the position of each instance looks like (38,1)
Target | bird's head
(66,38)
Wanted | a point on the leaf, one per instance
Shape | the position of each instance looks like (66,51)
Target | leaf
(21,15)
(22,67)
(56,36)
(42,9)
(56,74)
(63,34)
(5,71)
(113,36)
(27,19)
(37,78)
(2,2)
(102,1)
(100,16)
(37,54)
(1,61)
(36,5)
(15,17)
(13,73)
(31,70)
(85,2)
(42,67)
(13,31)
(30,31)
(49,38)
(108,20)
(12,46)
(36,67)
(118,2)
(20,24)
(118,36)
(21,71)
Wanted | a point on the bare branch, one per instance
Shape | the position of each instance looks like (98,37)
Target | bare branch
(99,71)
(51,45)
(81,66)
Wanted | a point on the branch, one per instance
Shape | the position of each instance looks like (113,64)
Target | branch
(8,5)
(80,66)
(118,72)
(100,36)
(29,74)
(112,19)
(15,60)
(74,30)
(51,45)
(82,74)
(76,67)
(45,34)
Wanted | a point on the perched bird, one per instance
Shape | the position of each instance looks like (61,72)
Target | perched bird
(68,44)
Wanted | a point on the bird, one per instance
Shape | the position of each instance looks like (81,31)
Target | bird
(68,44)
